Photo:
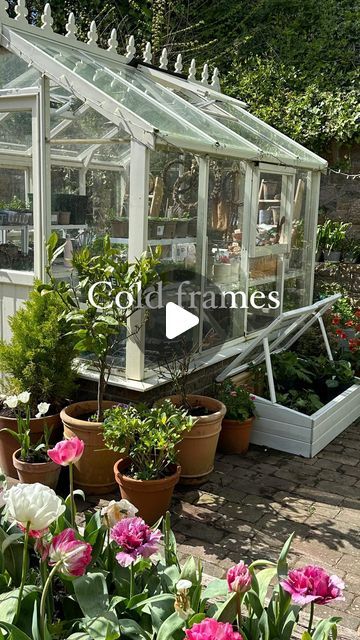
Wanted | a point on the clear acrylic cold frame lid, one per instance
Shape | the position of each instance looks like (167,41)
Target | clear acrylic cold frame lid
(280,335)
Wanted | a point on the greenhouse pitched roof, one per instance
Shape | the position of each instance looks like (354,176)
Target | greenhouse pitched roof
(111,98)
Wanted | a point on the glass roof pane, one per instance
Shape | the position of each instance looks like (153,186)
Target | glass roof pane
(83,65)
(14,72)
(85,123)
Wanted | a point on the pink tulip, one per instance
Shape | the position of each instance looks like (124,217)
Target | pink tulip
(239,578)
(312,584)
(136,539)
(74,555)
(67,451)
(211,629)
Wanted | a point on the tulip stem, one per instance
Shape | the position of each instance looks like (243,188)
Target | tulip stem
(239,597)
(132,580)
(44,598)
(23,569)
(312,609)
(72,500)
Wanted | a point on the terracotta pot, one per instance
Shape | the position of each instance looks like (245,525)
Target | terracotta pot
(235,436)
(197,449)
(151,497)
(93,473)
(29,472)
(8,444)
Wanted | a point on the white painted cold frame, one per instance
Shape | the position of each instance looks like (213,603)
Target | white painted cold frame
(279,427)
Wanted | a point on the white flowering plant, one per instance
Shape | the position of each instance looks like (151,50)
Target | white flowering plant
(20,405)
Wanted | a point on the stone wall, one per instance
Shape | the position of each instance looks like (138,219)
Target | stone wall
(345,274)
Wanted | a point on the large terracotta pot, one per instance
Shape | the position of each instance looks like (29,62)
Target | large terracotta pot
(235,436)
(9,444)
(151,497)
(93,473)
(198,447)
(29,472)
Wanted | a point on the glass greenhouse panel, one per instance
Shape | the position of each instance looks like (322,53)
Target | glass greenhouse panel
(173,224)
(226,262)
(16,216)
(14,72)
(100,77)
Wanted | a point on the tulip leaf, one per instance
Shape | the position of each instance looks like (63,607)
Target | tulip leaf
(325,628)
(92,594)
(103,627)
(132,629)
(168,628)
(306,636)
(9,602)
(263,579)
(282,565)
(16,634)
(189,571)
(226,611)
(215,589)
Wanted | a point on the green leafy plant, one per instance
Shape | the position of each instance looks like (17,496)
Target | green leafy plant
(238,401)
(97,327)
(21,407)
(151,436)
(305,401)
(39,356)
(290,371)
(331,235)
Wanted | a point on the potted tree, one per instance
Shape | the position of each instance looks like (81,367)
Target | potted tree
(197,449)
(31,461)
(239,417)
(99,325)
(148,475)
(39,358)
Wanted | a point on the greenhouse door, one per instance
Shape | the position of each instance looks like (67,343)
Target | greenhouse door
(22,191)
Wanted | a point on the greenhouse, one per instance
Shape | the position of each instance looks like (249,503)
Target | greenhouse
(92,142)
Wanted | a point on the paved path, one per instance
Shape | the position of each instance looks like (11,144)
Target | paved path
(250,505)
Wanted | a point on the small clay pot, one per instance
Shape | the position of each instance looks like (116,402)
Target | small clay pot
(151,497)
(46,473)
(93,473)
(8,444)
(198,447)
(235,436)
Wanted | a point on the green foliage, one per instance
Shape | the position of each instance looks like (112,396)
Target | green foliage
(39,356)
(151,436)
(97,322)
(331,235)
(305,401)
(238,401)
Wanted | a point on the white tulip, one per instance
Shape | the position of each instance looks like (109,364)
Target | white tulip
(116,511)
(24,397)
(43,407)
(11,402)
(183,585)
(33,504)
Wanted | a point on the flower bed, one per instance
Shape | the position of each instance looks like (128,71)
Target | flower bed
(116,577)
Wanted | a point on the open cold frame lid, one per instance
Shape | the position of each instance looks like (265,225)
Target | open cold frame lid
(280,335)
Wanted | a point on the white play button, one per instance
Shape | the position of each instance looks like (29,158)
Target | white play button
(178,320)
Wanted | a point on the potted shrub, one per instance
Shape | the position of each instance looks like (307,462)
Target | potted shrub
(330,239)
(239,417)
(97,330)
(38,358)
(197,449)
(148,475)
(31,461)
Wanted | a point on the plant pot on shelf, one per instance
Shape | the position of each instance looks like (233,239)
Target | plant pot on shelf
(93,473)
(8,444)
(156,229)
(46,473)
(64,217)
(120,228)
(235,436)
(182,228)
(151,497)
(192,227)
(332,256)
(197,449)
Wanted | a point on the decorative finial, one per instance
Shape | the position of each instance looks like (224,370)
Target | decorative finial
(205,74)
(112,42)
(178,64)
(192,70)
(130,49)
(215,83)
(3,9)
(21,12)
(46,19)
(92,35)
(147,53)
(164,59)
(71,27)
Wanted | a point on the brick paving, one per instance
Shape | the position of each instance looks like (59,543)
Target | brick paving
(251,504)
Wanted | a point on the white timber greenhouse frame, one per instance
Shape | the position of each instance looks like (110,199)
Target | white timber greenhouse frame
(177,151)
